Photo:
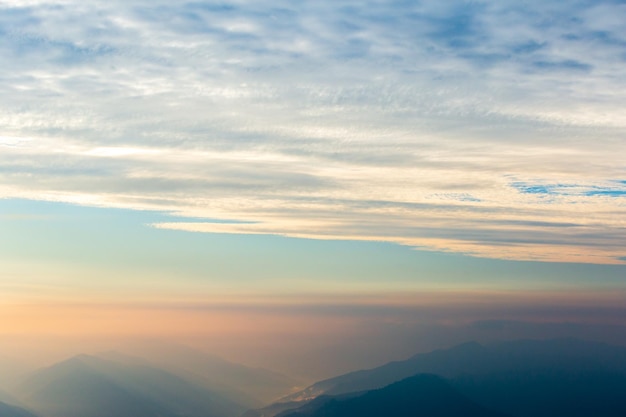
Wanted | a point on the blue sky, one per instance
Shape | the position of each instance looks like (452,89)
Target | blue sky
(121,245)
(277,147)
(327,120)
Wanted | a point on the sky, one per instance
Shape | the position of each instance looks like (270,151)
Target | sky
(310,186)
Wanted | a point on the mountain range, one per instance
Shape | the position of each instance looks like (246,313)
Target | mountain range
(88,386)
(248,385)
(419,395)
(528,378)
(7,410)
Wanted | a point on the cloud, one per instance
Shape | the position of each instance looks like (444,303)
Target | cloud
(466,127)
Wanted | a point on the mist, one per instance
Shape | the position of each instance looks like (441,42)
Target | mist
(309,338)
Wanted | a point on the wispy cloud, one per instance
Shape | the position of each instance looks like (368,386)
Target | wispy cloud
(456,127)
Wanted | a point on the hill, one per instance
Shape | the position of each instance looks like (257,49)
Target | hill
(420,395)
(244,384)
(87,386)
(7,410)
(528,378)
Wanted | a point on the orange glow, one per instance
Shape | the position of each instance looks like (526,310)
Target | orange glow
(294,314)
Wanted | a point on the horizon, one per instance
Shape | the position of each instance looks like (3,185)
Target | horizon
(313,188)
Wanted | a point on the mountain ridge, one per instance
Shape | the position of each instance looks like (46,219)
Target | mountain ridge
(528,378)
(88,386)
(422,394)
(8,410)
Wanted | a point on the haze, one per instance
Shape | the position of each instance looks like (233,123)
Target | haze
(309,187)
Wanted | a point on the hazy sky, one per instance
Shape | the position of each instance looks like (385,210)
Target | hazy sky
(286,181)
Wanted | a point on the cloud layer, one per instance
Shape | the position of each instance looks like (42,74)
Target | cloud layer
(494,129)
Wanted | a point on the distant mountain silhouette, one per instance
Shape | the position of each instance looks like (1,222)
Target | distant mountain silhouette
(420,395)
(530,378)
(280,407)
(7,398)
(87,386)
(526,378)
(245,384)
(7,410)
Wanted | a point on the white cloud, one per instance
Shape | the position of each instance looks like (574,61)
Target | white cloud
(378,121)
